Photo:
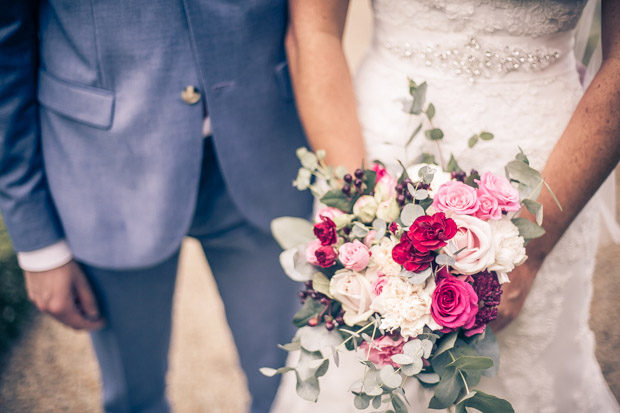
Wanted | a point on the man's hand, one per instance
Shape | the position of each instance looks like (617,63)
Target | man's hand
(64,293)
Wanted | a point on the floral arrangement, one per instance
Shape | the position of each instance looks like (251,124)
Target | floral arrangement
(407,272)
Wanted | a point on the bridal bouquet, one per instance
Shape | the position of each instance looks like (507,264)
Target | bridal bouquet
(406,271)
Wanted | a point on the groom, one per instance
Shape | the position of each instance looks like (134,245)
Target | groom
(126,125)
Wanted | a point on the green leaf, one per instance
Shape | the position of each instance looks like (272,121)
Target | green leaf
(434,134)
(406,215)
(471,179)
(472,363)
(308,389)
(370,179)
(311,308)
(446,343)
(402,359)
(361,401)
(389,377)
(320,283)
(376,402)
(335,198)
(291,232)
(290,346)
(419,98)
(413,368)
(413,135)
(453,166)
(448,389)
(322,369)
(269,372)
(472,141)
(430,111)
(429,378)
(522,157)
(485,403)
(536,208)
(372,383)
(529,179)
(528,229)
(398,404)
(486,345)
(486,136)
(424,157)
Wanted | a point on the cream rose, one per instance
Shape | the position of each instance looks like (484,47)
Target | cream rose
(388,210)
(354,291)
(474,235)
(365,208)
(509,248)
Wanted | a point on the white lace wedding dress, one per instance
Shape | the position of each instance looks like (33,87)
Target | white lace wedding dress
(507,67)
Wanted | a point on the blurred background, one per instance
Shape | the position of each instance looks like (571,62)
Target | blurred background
(45,367)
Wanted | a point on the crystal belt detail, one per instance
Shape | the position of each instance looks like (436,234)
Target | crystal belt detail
(474,61)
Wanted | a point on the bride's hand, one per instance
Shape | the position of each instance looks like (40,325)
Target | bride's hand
(515,292)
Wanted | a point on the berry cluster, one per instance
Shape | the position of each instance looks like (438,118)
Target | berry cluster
(326,315)
(358,183)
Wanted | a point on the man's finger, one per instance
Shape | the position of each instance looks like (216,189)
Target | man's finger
(72,317)
(85,298)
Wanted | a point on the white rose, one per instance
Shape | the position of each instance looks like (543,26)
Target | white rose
(509,248)
(439,178)
(475,238)
(365,208)
(354,291)
(388,210)
(406,306)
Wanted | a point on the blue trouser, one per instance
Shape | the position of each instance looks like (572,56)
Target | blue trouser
(258,298)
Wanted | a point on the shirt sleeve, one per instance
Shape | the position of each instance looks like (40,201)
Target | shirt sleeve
(45,259)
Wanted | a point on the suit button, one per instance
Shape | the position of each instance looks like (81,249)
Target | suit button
(190,95)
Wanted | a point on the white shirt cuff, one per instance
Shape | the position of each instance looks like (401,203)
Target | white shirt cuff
(45,259)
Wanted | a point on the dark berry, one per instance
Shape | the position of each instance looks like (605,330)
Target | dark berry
(346,189)
(302,294)
(358,183)
(329,326)
(359,173)
(407,181)
(308,284)
(348,178)
(313,322)
(399,188)
(340,320)
(400,199)
(324,300)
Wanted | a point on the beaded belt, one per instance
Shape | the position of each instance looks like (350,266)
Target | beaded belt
(474,61)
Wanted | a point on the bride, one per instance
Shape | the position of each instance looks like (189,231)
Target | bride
(506,66)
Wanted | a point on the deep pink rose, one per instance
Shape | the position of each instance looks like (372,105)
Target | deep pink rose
(500,188)
(311,249)
(456,196)
(382,350)
(326,231)
(394,227)
(380,170)
(489,208)
(455,304)
(354,255)
(430,232)
(327,212)
(326,256)
(378,284)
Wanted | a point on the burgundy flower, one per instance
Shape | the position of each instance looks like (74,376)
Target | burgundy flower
(430,232)
(393,227)
(455,304)
(326,231)
(405,254)
(489,292)
(326,256)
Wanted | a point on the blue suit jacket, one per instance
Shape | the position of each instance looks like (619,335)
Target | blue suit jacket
(96,144)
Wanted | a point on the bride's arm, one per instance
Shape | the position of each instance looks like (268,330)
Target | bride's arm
(322,81)
(584,156)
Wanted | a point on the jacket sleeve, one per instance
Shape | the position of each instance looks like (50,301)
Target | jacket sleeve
(25,201)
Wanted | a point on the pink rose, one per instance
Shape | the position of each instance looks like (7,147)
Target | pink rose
(354,255)
(380,170)
(369,238)
(489,208)
(320,255)
(327,212)
(311,249)
(475,238)
(382,350)
(378,284)
(500,188)
(456,196)
(455,304)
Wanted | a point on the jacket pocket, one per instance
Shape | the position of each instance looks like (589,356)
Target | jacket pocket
(283,78)
(85,104)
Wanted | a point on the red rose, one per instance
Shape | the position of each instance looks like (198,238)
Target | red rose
(326,231)
(405,254)
(393,227)
(326,256)
(430,232)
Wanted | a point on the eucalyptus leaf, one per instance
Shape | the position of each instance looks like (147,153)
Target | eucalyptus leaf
(486,345)
(528,229)
(359,230)
(304,369)
(453,166)
(447,342)
(269,372)
(320,283)
(315,339)
(486,136)
(376,402)
(411,189)
(389,377)
(419,98)
(290,346)
(361,401)
(426,173)
(291,232)
(420,194)
(418,210)
(529,179)
(417,278)
(414,348)
(336,356)
(447,390)
(308,389)
(486,403)
(428,378)
(399,405)
(413,368)
(430,111)
(406,215)
(413,135)
(536,208)
(434,134)
(444,259)
(322,369)
(472,141)
(472,363)
(295,265)
(402,359)
(372,383)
